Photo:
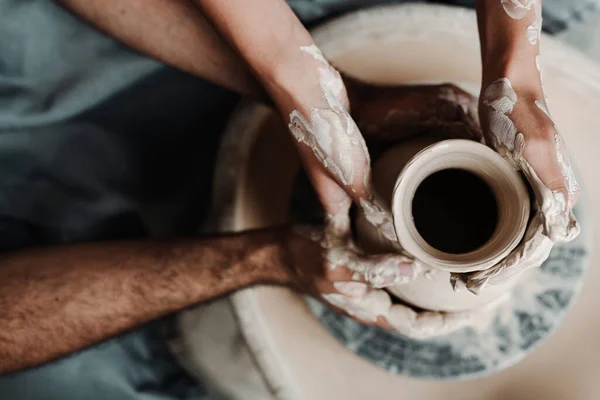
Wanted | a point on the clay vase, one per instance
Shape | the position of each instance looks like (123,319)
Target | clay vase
(458,207)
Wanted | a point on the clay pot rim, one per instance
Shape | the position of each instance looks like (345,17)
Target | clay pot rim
(513,204)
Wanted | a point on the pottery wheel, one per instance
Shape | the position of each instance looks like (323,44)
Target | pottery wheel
(311,353)
(536,307)
(534,310)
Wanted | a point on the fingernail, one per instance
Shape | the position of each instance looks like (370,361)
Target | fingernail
(351,289)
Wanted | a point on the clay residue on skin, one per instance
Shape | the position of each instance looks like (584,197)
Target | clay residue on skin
(534,30)
(338,224)
(563,161)
(379,217)
(501,98)
(376,304)
(334,138)
(531,253)
(532,33)
(554,220)
(318,133)
(315,52)
(565,167)
(351,289)
(517,9)
(543,107)
(329,131)
(379,270)
(368,308)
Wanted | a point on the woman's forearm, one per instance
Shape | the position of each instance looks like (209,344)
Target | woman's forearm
(509,36)
(269,36)
(54,301)
(174,32)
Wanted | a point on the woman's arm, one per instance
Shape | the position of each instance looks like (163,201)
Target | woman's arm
(509,32)
(516,120)
(174,32)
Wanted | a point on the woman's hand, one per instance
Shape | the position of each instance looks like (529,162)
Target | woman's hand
(311,97)
(516,122)
(332,147)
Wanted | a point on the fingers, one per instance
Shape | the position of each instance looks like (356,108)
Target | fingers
(545,151)
(367,308)
(427,324)
(378,271)
(320,123)
(531,253)
(521,130)
(335,201)
(337,198)
(332,146)
(557,218)
(375,307)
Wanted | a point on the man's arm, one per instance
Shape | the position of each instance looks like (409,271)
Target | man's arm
(54,301)
(174,32)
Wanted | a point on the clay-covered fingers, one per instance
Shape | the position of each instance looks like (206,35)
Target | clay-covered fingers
(557,219)
(519,127)
(531,253)
(342,260)
(379,271)
(332,147)
(359,302)
(547,167)
(375,307)
(427,324)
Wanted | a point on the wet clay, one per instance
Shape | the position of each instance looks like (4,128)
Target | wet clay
(455,211)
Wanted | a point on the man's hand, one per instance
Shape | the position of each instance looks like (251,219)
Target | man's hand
(351,282)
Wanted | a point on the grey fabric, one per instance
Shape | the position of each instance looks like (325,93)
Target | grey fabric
(136,366)
(52,67)
(98,142)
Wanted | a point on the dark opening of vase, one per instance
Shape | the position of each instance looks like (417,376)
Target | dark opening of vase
(455,211)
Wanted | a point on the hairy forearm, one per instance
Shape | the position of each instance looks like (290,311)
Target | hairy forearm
(509,37)
(174,32)
(54,301)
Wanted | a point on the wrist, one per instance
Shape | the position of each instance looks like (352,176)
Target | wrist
(268,257)
(520,68)
(296,81)
(224,264)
